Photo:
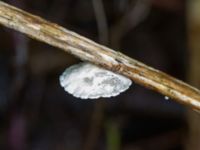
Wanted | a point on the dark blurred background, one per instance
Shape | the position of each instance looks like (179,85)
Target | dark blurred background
(37,114)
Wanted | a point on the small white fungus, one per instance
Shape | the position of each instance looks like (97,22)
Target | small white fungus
(88,81)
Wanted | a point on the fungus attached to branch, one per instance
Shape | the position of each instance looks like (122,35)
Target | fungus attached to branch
(87,50)
(88,81)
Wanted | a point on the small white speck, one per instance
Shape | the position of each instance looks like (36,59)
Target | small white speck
(166,98)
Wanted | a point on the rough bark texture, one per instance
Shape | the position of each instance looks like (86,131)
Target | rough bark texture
(88,50)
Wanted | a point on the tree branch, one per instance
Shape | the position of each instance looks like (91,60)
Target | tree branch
(88,50)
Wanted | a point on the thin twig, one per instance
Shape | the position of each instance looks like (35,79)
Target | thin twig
(88,50)
(137,13)
(95,126)
(101,21)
